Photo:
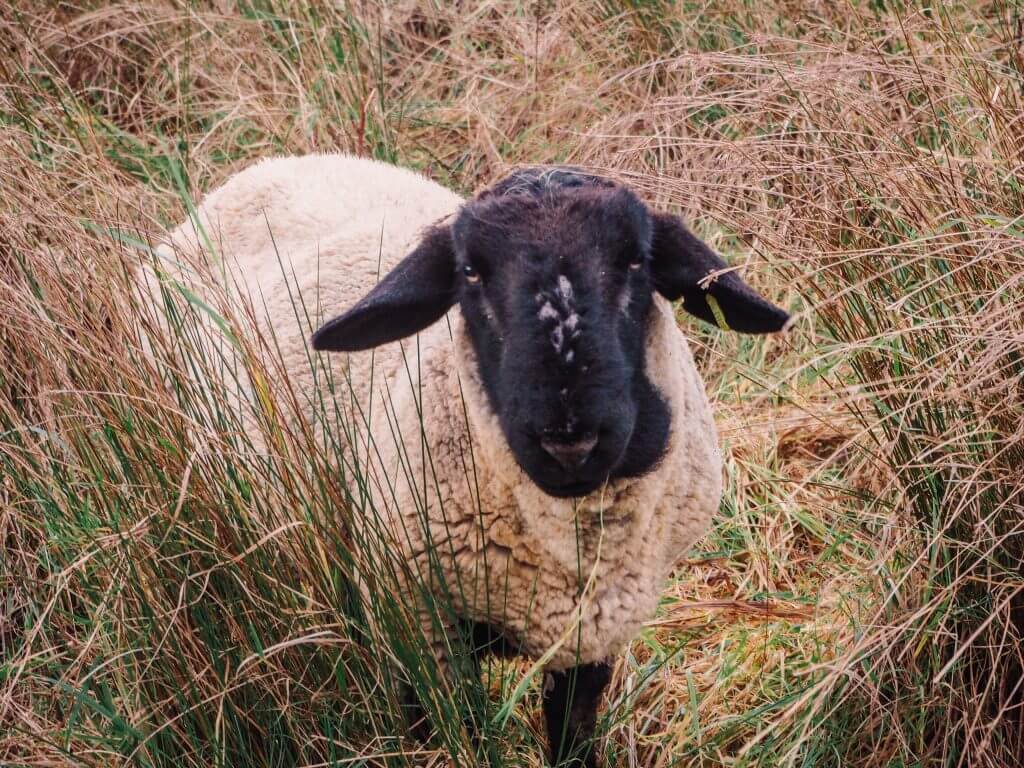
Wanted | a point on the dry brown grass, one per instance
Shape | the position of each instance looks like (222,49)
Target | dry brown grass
(167,597)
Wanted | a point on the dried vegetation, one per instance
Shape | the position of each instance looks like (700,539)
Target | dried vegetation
(168,595)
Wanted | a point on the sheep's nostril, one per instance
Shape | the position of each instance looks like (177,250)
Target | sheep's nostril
(569,455)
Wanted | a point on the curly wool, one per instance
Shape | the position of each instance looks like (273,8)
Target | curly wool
(572,581)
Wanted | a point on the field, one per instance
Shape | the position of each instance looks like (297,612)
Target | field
(169,596)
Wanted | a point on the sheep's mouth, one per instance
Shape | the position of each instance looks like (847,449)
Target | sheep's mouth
(591,474)
(572,490)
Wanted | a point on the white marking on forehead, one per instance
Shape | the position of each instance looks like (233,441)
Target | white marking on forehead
(557,306)
(557,338)
(565,287)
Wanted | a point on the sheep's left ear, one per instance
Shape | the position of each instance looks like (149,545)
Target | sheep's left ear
(412,296)
(680,261)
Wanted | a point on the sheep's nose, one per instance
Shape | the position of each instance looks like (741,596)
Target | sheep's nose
(570,455)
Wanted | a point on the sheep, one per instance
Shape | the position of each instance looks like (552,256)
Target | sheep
(545,443)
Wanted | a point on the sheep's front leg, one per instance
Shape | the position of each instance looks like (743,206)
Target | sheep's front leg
(415,715)
(439,632)
(476,640)
(570,708)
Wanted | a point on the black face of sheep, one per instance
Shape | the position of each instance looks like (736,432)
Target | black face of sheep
(554,272)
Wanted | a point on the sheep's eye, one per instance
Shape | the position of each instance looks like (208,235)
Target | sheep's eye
(472,276)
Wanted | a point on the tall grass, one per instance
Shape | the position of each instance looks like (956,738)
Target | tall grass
(171,590)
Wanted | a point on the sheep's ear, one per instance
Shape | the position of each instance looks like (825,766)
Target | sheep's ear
(412,296)
(680,261)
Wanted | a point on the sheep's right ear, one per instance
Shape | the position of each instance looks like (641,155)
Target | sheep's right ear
(412,296)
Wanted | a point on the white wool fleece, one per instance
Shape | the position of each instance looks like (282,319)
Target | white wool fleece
(507,553)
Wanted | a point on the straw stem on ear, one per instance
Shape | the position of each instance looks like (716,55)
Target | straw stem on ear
(682,265)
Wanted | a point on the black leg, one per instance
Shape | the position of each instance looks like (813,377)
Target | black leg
(480,639)
(483,639)
(490,638)
(415,716)
(570,708)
